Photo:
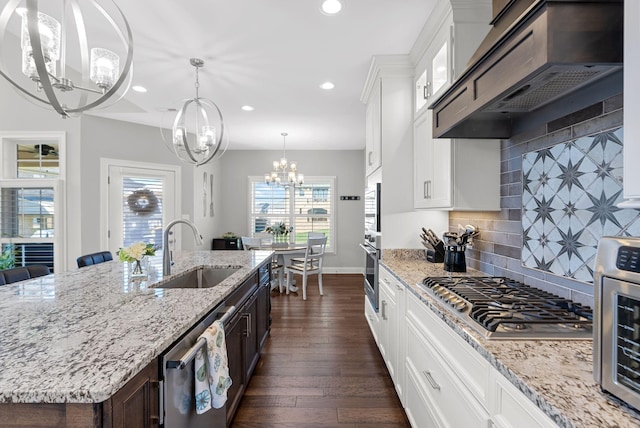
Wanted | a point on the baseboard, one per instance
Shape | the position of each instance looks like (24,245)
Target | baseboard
(345,270)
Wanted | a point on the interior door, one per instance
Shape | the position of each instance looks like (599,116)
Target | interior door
(141,202)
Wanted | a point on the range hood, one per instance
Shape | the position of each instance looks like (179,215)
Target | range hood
(535,61)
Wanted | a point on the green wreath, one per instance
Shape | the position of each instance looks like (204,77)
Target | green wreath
(142,202)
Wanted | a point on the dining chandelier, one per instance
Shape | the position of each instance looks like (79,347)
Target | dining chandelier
(198,136)
(55,65)
(284,173)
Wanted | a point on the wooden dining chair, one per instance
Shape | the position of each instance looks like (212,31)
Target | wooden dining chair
(311,265)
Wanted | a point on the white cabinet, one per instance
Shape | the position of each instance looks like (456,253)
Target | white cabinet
(434,70)
(449,378)
(450,174)
(373,132)
(631,105)
(391,344)
(511,409)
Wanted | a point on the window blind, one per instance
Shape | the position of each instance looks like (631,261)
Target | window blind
(142,210)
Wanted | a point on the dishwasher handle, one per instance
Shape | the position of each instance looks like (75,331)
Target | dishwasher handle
(188,356)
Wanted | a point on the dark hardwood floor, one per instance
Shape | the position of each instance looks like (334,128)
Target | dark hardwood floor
(321,367)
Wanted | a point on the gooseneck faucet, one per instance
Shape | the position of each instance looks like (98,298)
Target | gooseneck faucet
(167,260)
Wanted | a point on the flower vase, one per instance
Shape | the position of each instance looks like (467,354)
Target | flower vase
(280,240)
(137,269)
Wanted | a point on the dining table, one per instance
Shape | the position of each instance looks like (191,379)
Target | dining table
(284,252)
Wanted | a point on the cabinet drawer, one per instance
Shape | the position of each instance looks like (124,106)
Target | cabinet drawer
(510,408)
(390,284)
(463,360)
(444,394)
(418,411)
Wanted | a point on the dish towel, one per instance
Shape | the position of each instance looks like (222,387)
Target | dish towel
(212,370)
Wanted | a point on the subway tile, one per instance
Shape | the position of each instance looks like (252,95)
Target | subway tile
(508,226)
(613,103)
(607,122)
(586,113)
(508,251)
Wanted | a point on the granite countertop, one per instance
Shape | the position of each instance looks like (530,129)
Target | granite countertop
(556,375)
(79,336)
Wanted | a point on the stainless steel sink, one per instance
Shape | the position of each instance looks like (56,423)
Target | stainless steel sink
(199,278)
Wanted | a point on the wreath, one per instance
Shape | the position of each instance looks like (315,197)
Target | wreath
(142,202)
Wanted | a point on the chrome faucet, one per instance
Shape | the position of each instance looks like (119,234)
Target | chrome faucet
(167,259)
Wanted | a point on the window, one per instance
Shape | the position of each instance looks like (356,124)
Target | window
(308,208)
(31,197)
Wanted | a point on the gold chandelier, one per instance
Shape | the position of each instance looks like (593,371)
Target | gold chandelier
(56,58)
(284,173)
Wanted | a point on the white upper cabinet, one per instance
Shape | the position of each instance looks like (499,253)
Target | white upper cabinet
(450,174)
(631,105)
(434,69)
(373,137)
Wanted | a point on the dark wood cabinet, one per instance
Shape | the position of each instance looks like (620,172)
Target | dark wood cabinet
(135,405)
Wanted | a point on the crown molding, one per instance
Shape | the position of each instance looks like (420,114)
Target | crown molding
(385,66)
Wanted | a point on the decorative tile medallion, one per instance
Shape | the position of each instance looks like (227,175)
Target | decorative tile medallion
(569,198)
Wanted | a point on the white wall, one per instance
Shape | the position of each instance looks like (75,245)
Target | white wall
(91,138)
(346,165)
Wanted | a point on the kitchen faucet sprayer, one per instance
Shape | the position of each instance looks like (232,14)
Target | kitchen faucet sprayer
(167,259)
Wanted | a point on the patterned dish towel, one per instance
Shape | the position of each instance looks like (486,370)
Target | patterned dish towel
(212,370)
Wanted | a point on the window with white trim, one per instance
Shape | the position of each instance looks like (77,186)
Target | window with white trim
(307,208)
(31,198)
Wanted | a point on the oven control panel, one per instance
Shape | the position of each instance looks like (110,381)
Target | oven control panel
(628,259)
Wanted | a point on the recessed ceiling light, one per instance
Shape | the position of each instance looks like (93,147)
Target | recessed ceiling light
(139,88)
(331,7)
(327,85)
(247,108)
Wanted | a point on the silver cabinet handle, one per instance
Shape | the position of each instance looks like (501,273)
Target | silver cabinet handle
(248,318)
(427,90)
(383,311)
(427,189)
(399,287)
(431,380)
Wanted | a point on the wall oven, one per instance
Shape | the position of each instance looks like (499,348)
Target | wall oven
(372,252)
(616,323)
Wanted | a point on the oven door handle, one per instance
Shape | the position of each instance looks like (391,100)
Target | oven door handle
(368,250)
(188,356)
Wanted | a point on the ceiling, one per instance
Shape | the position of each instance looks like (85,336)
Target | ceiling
(272,55)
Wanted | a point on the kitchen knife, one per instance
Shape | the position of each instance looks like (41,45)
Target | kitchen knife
(211,196)
(204,193)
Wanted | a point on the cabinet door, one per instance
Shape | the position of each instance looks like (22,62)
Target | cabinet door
(250,313)
(235,338)
(135,405)
(373,133)
(432,166)
(263,313)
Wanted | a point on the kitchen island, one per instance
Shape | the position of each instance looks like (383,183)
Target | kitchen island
(78,337)
(555,375)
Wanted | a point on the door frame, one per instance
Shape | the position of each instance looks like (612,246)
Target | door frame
(106,163)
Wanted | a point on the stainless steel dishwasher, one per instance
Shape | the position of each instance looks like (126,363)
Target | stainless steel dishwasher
(177,391)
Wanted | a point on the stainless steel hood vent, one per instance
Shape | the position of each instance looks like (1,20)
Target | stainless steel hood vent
(548,51)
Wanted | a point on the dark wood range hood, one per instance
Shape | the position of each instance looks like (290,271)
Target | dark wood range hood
(540,61)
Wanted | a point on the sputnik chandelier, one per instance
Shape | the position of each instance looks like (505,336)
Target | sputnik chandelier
(198,136)
(55,65)
(284,173)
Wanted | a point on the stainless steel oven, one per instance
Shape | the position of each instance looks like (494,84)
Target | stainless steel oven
(616,350)
(372,250)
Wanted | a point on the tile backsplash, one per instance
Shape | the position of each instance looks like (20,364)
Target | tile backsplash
(559,188)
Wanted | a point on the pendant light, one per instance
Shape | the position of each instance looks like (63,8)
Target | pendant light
(198,134)
(57,66)
(284,172)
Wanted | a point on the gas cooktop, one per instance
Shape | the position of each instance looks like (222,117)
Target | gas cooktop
(500,308)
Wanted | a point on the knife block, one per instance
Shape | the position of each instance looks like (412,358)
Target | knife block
(434,256)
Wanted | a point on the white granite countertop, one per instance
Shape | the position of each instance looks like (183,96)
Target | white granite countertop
(79,336)
(556,375)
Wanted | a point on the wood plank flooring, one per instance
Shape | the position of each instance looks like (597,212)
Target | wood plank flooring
(321,367)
